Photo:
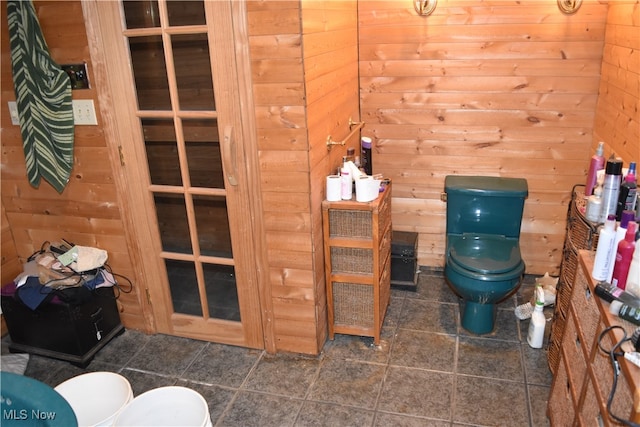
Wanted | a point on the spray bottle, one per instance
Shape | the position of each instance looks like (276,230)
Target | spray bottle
(596,164)
(594,205)
(535,337)
(611,188)
(623,257)
(605,252)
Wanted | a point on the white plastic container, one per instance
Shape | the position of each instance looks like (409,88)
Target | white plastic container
(346,184)
(633,280)
(538,322)
(605,252)
(166,406)
(96,397)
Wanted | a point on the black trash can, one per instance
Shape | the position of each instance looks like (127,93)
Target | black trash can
(404,260)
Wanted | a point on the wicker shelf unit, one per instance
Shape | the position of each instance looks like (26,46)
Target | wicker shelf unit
(584,374)
(580,234)
(357,249)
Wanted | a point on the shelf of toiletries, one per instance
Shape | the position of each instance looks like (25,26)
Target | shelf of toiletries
(357,249)
(585,228)
(584,375)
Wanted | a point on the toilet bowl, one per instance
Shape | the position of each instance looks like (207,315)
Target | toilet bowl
(483,260)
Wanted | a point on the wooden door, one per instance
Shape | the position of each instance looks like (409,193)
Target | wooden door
(172,97)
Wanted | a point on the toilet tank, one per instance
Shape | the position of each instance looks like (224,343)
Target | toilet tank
(485,204)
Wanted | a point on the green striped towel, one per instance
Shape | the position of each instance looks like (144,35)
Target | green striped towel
(43,98)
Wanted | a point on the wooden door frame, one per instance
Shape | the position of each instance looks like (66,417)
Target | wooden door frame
(120,123)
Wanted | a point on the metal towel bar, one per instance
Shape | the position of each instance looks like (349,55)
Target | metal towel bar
(354,126)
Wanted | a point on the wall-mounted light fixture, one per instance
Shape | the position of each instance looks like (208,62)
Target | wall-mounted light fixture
(424,7)
(569,6)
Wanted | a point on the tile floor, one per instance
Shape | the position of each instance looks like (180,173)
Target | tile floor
(427,371)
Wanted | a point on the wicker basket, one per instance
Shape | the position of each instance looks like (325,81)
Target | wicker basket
(353,304)
(351,260)
(350,223)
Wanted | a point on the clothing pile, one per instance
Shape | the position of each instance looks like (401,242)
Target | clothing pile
(64,271)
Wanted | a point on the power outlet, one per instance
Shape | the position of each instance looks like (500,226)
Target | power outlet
(84,112)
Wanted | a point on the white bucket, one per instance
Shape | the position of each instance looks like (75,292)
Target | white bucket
(96,397)
(166,406)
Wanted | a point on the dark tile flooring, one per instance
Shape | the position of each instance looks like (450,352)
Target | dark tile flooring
(427,371)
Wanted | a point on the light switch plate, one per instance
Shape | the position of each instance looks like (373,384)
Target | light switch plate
(13,112)
(84,112)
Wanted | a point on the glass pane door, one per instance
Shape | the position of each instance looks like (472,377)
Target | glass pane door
(172,70)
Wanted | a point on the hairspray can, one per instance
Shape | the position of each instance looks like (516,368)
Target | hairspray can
(611,188)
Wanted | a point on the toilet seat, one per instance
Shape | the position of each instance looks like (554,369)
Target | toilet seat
(485,253)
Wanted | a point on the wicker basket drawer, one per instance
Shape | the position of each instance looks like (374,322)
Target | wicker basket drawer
(350,223)
(353,305)
(351,260)
(572,350)
(603,372)
(584,305)
(561,409)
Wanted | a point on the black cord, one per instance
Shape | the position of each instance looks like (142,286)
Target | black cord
(613,353)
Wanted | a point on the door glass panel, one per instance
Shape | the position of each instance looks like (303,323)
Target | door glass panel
(222,296)
(203,153)
(162,152)
(141,14)
(184,287)
(193,71)
(149,72)
(213,226)
(189,207)
(186,12)
(172,223)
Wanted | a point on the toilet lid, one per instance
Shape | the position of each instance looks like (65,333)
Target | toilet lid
(486,254)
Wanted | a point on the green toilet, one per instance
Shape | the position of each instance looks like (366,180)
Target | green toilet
(483,260)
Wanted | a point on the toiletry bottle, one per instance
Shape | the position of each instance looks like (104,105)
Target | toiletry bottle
(365,157)
(594,205)
(623,257)
(346,185)
(537,324)
(611,188)
(626,312)
(621,231)
(609,292)
(628,191)
(596,164)
(602,264)
(633,279)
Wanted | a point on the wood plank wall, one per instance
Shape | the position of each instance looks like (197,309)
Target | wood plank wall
(87,212)
(304,65)
(330,52)
(496,87)
(501,88)
(617,120)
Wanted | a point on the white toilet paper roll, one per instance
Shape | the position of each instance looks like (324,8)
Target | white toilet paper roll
(333,188)
(367,188)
